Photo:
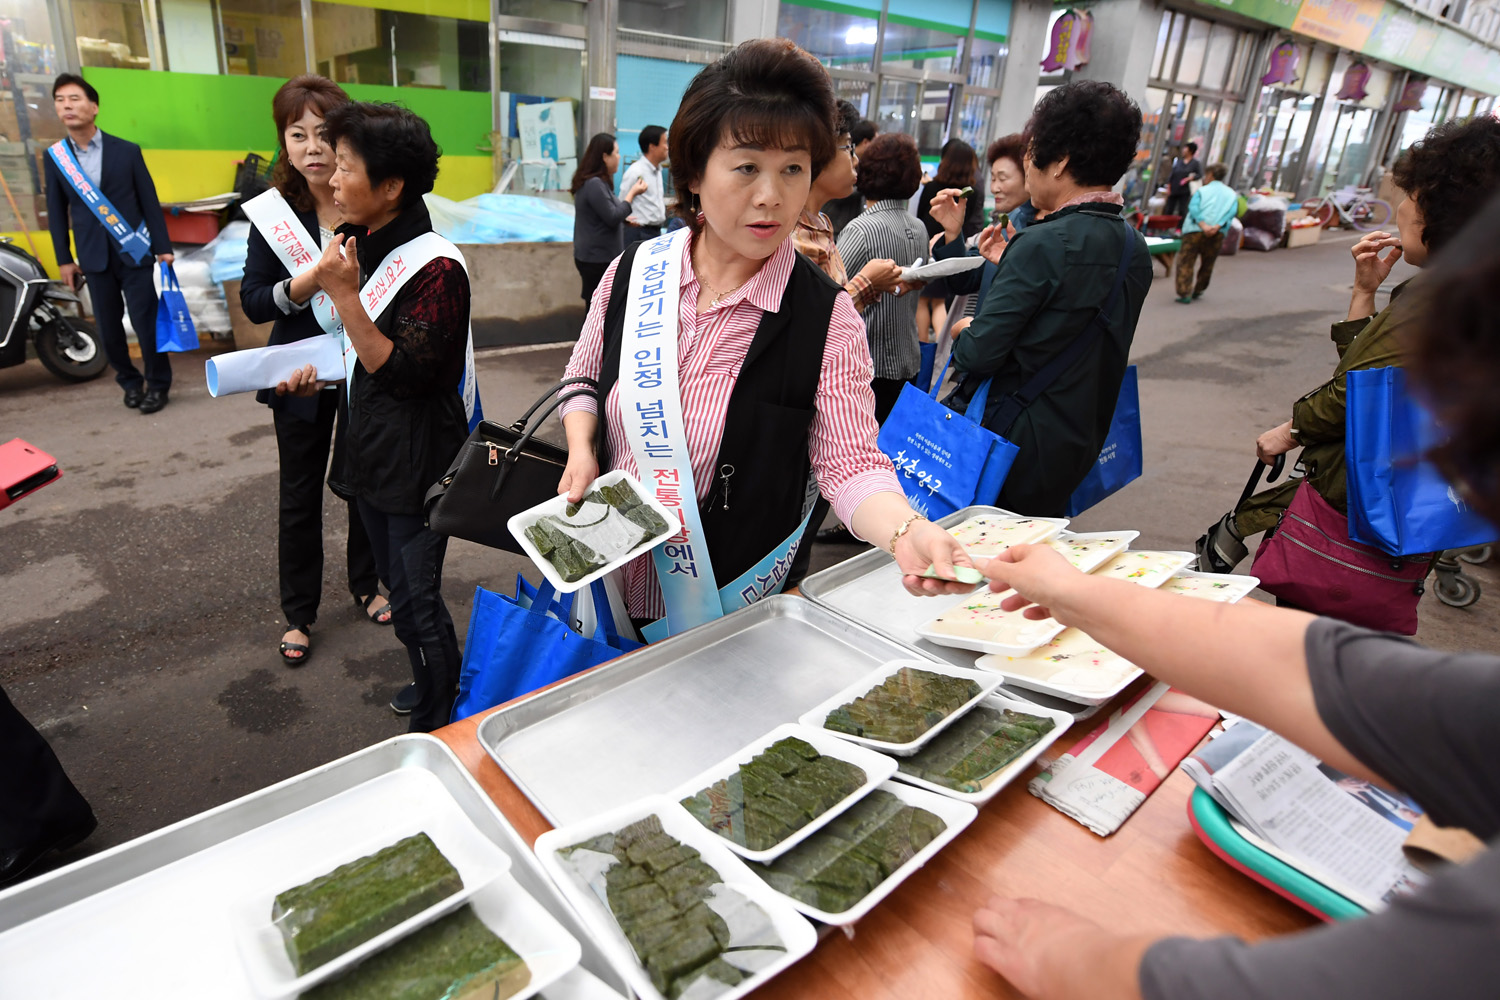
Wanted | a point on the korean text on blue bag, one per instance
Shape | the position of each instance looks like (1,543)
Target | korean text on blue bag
(946,460)
(1399,501)
(174,324)
(1120,460)
(516,645)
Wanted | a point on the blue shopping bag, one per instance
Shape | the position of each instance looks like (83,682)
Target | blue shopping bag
(174,324)
(1399,501)
(1120,460)
(516,645)
(924,373)
(946,460)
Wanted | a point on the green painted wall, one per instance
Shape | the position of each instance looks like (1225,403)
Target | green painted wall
(202,111)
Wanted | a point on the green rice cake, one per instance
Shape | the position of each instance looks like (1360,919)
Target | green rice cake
(454,958)
(902,707)
(833,870)
(322,919)
(980,744)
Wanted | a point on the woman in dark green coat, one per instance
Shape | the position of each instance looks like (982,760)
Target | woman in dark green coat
(1053,277)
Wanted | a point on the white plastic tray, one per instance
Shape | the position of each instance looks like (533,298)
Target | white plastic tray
(956,816)
(1089,550)
(1027,634)
(877,768)
(1227,588)
(548,950)
(1146,567)
(796,934)
(1071,666)
(992,785)
(1007,530)
(518,524)
(261,946)
(814,719)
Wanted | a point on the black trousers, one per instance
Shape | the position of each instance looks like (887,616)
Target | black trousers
(303,449)
(409,557)
(592,274)
(133,284)
(887,391)
(1177,204)
(635,234)
(38,803)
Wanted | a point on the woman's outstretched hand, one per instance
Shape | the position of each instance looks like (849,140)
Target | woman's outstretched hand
(925,544)
(1041,578)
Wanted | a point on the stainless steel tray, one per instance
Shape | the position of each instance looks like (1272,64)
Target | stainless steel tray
(72,903)
(652,720)
(867,589)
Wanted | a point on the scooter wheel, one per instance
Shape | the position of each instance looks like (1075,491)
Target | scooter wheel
(71,349)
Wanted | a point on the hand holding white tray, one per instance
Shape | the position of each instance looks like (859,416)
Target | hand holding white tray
(919,271)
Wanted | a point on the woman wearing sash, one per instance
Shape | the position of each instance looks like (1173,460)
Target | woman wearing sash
(403,296)
(763,380)
(304,426)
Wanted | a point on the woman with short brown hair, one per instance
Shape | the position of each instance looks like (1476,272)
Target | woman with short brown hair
(766,353)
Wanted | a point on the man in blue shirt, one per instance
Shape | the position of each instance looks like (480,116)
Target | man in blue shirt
(1213,207)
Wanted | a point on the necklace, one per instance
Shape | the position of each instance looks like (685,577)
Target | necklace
(718,296)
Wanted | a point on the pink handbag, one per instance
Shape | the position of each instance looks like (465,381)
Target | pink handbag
(1310,562)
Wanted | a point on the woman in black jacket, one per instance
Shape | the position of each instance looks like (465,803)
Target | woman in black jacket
(959,168)
(598,216)
(269,293)
(405,393)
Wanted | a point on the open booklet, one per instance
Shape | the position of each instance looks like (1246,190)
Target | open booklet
(1335,828)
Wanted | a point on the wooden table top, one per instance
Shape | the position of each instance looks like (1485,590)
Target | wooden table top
(1153,875)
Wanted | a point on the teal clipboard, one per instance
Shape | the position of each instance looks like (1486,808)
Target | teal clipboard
(1211,824)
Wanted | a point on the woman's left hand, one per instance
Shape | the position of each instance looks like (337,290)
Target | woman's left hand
(337,270)
(925,544)
(301,382)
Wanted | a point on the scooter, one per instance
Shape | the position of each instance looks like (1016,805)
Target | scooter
(33,306)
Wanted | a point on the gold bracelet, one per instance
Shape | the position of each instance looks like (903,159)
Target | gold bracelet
(905,527)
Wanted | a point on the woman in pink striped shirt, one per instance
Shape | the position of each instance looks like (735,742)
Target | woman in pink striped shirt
(773,365)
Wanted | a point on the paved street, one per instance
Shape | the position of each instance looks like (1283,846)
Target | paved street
(140,616)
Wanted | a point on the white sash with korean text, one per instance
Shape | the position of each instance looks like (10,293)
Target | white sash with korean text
(389,278)
(295,247)
(651,407)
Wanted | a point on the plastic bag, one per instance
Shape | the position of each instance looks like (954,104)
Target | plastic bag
(501,218)
(1259,239)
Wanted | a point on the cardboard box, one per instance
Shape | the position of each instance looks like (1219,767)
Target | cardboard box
(246,333)
(1301,236)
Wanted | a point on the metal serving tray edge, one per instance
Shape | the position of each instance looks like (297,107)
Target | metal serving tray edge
(821,587)
(569,779)
(97,873)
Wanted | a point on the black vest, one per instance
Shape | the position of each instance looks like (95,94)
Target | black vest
(762,469)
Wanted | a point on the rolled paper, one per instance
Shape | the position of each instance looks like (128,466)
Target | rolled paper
(266,367)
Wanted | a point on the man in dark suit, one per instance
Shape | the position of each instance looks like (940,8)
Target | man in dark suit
(113,268)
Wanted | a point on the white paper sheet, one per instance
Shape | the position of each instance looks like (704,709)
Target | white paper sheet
(265,367)
(1278,790)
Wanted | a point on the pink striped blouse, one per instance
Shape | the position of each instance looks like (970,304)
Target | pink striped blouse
(711,347)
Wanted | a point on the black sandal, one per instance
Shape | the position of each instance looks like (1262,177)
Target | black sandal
(384,616)
(304,651)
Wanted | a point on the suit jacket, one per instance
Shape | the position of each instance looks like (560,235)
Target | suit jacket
(124,180)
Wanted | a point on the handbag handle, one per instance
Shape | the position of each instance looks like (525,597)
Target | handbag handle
(508,459)
(576,380)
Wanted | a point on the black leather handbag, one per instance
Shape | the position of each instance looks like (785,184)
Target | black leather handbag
(501,471)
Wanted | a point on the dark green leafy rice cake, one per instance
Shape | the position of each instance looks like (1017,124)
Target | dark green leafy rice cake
(454,958)
(322,919)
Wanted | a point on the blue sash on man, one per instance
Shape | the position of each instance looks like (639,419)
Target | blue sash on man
(134,244)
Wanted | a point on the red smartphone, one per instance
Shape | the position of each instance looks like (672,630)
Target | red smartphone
(24,469)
